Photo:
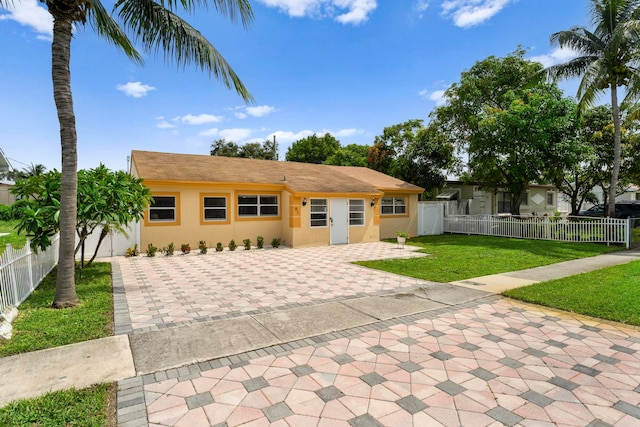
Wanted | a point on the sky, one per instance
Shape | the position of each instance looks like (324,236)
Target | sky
(348,67)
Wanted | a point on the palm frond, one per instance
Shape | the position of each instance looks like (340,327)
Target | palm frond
(570,69)
(578,39)
(593,82)
(232,9)
(162,31)
(110,30)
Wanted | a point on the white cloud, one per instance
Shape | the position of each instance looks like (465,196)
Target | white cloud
(357,11)
(343,133)
(240,115)
(199,119)
(135,89)
(467,13)
(235,134)
(29,13)
(557,56)
(260,111)
(287,137)
(436,96)
(420,6)
(165,125)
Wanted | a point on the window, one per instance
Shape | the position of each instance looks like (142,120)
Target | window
(525,199)
(163,209)
(504,202)
(356,212)
(215,208)
(258,205)
(550,198)
(319,212)
(393,206)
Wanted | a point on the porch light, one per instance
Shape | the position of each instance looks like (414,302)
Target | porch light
(304,202)
(373,201)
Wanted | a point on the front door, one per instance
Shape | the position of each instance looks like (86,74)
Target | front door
(339,221)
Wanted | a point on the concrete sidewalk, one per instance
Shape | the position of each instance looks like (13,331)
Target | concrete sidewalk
(117,358)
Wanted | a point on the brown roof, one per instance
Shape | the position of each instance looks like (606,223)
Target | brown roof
(297,177)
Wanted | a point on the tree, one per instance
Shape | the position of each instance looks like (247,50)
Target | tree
(157,27)
(413,153)
(106,200)
(349,155)
(516,129)
(250,150)
(313,149)
(15,175)
(608,58)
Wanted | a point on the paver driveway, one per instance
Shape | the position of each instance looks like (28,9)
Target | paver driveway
(165,291)
(489,362)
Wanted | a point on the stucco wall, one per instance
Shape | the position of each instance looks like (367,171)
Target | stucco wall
(408,223)
(190,228)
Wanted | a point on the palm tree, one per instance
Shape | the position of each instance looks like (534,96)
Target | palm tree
(608,58)
(158,28)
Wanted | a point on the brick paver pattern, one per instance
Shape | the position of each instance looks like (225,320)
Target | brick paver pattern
(165,291)
(498,363)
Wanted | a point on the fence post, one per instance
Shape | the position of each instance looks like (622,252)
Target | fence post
(629,233)
(12,274)
(30,265)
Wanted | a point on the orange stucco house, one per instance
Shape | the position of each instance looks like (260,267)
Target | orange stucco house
(216,199)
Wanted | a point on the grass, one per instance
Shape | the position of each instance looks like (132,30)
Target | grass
(90,407)
(612,293)
(15,239)
(39,326)
(459,257)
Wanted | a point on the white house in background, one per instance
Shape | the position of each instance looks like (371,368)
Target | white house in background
(6,198)
(473,200)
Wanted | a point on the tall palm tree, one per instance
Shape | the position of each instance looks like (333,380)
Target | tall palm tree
(156,26)
(608,58)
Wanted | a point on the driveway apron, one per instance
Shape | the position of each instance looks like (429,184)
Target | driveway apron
(484,362)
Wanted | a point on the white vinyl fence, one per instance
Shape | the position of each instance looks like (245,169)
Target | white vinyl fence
(571,229)
(22,270)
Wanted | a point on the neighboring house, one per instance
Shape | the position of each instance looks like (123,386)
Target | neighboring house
(632,192)
(471,199)
(6,198)
(216,199)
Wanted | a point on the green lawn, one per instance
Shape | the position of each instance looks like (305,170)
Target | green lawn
(39,326)
(459,257)
(612,293)
(84,408)
(15,239)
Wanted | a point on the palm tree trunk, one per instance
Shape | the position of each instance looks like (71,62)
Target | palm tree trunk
(65,295)
(616,150)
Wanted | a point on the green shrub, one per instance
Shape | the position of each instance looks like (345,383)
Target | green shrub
(232,245)
(202,245)
(247,244)
(185,248)
(219,247)
(275,242)
(6,214)
(151,250)
(170,249)
(132,251)
(260,242)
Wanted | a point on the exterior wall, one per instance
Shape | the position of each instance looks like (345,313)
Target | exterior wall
(190,227)
(408,222)
(6,198)
(541,208)
(305,235)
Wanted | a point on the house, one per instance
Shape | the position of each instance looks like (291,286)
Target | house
(216,199)
(471,199)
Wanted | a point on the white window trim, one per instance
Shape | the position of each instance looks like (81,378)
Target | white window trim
(258,205)
(525,201)
(225,208)
(546,199)
(326,214)
(174,208)
(363,212)
(394,206)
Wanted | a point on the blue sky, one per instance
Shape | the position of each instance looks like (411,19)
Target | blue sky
(349,67)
